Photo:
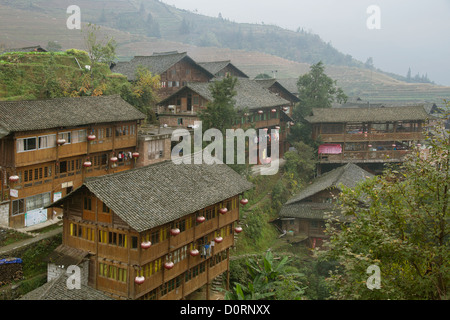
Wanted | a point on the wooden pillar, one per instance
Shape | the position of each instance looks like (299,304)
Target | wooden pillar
(228,270)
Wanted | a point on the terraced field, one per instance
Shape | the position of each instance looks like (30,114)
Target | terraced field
(22,27)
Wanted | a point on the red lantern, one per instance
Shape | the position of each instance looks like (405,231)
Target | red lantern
(201,219)
(223,210)
(139,280)
(113,159)
(277,127)
(91,137)
(146,244)
(274,110)
(244,202)
(238,229)
(194,252)
(175,231)
(260,112)
(135,154)
(168,265)
(61,141)
(14,178)
(87,164)
(285,108)
(218,239)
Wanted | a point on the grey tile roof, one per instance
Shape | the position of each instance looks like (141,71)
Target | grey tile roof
(160,193)
(267,83)
(57,290)
(65,112)
(25,49)
(249,94)
(306,210)
(349,175)
(408,113)
(157,63)
(216,66)
(65,256)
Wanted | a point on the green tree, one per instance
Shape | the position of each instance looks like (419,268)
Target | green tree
(402,227)
(316,90)
(100,51)
(268,280)
(220,113)
(54,46)
(142,94)
(300,164)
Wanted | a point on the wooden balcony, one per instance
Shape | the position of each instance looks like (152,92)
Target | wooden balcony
(189,236)
(365,156)
(180,268)
(361,137)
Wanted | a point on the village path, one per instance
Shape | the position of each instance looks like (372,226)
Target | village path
(8,249)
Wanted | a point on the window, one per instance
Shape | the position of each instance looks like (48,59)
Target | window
(112,272)
(117,239)
(47,141)
(108,132)
(37,201)
(62,166)
(155,149)
(79,136)
(87,203)
(26,144)
(18,207)
(106,209)
(66,136)
(180,121)
(134,242)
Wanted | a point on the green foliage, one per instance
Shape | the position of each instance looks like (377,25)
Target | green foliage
(402,227)
(220,113)
(103,51)
(268,280)
(143,93)
(300,163)
(54,46)
(316,90)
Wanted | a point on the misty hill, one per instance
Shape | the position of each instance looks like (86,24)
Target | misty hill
(142,27)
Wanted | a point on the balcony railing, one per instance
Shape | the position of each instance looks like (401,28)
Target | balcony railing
(358,137)
(365,156)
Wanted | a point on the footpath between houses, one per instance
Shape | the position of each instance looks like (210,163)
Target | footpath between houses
(8,250)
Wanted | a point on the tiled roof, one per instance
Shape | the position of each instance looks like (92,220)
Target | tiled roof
(157,63)
(249,94)
(160,193)
(306,210)
(66,256)
(24,49)
(215,66)
(409,113)
(57,290)
(64,112)
(267,83)
(349,175)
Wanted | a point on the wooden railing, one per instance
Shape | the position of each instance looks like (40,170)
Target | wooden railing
(364,156)
(358,137)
